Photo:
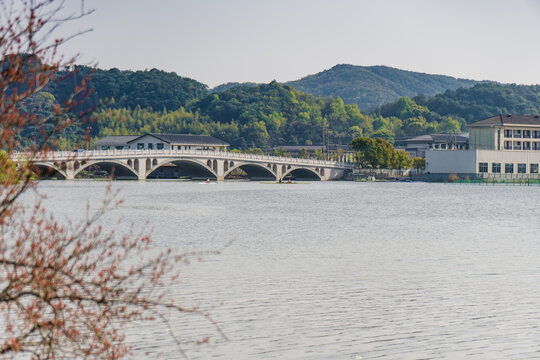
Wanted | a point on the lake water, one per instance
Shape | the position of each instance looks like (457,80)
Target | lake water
(341,270)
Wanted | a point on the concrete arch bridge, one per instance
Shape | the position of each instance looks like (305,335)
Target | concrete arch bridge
(216,165)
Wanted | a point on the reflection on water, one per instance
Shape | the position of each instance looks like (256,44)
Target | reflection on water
(342,270)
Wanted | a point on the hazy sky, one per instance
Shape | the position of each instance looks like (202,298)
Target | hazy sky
(218,41)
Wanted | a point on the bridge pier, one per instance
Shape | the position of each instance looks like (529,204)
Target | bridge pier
(220,171)
(279,173)
(143,168)
(70,170)
(332,174)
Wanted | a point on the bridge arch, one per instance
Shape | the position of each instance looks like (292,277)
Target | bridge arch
(49,165)
(198,169)
(111,162)
(303,173)
(253,170)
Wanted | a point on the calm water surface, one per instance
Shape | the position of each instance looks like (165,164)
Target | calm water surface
(340,270)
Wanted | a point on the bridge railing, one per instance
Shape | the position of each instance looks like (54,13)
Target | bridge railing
(89,154)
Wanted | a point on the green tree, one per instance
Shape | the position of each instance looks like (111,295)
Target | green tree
(303,153)
(404,108)
(280,152)
(318,154)
(380,123)
(383,134)
(451,126)
(419,163)
(401,160)
(256,132)
(414,126)
(254,151)
(373,152)
(355,131)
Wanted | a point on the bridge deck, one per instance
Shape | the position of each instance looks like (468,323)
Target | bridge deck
(224,155)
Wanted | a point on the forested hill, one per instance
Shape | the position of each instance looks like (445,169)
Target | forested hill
(248,116)
(273,114)
(266,115)
(150,89)
(485,100)
(451,111)
(372,86)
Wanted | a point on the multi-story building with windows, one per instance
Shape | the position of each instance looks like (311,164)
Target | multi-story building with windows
(503,144)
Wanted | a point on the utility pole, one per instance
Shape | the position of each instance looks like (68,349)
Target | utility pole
(323,140)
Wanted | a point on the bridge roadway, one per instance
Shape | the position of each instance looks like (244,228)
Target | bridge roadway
(202,163)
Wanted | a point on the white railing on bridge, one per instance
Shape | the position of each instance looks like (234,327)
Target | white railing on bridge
(111,153)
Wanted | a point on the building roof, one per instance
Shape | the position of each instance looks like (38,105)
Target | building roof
(185,139)
(299,147)
(331,147)
(438,138)
(115,140)
(508,119)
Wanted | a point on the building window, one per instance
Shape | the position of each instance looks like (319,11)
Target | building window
(507,145)
(483,167)
(522,168)
(508,133)
(496,168)
(159,146)
(526,134)
(517,145)
(534,169)
(536,134)
(140,146)
(119,147)
(536,145)
(509,168)
(526,145)
(517,133)
(150,146)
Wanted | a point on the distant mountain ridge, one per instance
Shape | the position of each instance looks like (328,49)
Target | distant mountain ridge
(372,86)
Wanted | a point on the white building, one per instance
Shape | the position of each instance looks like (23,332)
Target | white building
(161,142)
(499,145)
(117,142)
